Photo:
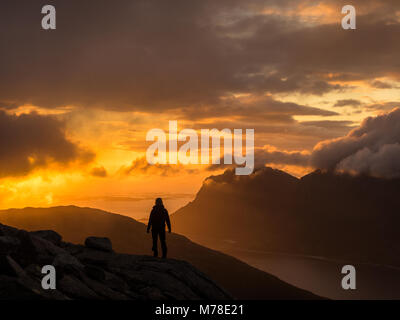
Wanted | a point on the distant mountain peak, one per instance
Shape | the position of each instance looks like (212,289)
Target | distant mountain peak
(320,214)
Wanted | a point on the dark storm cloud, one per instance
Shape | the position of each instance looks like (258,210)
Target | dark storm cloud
(154,55)
(32,141)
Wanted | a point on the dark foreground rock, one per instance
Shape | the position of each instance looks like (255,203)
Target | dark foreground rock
(103,244)
(93,271)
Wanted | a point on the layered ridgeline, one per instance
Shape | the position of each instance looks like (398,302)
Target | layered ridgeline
(92,271)
(129,236)
(322,214)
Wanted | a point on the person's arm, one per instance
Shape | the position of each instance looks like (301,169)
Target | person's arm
(150,221)
(168,221)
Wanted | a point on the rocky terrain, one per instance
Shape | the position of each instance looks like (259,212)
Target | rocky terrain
(93,271)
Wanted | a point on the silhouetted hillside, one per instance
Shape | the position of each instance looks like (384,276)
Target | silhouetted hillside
(326,214)
(129,236)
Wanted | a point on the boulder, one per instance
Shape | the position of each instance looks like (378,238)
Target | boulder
(102,244)
(48,235)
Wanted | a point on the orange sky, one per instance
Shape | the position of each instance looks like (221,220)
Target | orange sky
(108,92)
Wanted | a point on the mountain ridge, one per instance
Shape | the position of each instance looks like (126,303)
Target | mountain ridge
(323,213)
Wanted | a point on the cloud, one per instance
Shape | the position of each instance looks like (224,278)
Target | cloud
(269,155)
(382,163)
(140,166)
(334,125)
(383,106)
(382,85)
(194,59)
(348,103)
(165,196)
(99,172)
(151,55)
(31,141)
(373,148)
(254,108)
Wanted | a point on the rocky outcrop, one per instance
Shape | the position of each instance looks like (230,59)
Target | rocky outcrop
(102,244)
(93,271)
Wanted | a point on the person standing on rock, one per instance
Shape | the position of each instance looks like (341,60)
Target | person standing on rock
(158,218)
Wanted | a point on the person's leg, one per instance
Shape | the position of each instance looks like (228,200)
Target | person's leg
(155,243)
(163,244)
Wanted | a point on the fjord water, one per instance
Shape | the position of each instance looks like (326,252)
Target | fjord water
(323,276)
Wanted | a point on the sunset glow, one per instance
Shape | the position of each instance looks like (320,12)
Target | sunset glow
(316,83)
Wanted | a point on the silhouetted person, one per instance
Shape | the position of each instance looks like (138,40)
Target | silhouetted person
(158,218)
